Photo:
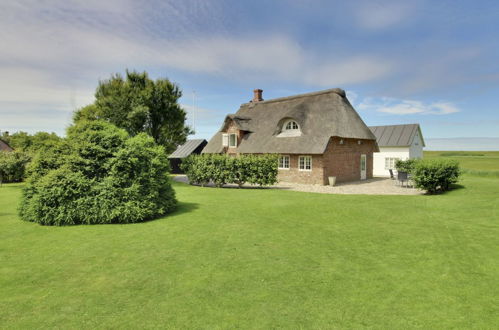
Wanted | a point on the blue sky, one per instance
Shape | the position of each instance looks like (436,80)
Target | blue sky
(430,62)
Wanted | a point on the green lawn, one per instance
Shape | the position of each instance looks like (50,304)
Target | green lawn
(261,258)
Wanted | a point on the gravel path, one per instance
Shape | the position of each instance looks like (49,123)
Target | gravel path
(375,186)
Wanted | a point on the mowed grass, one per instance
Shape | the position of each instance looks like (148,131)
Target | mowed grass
(262,258)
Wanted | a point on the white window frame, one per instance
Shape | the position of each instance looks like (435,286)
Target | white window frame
(284,162)
(294,125)
(225,140)
(305,169)
(390,161)
(235,140)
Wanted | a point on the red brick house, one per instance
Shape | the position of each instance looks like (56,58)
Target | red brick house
(317,135)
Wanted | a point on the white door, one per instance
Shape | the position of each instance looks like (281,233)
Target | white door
(363,166)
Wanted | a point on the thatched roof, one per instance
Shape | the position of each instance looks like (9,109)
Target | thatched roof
(396,135)
(320,115)
(4,146)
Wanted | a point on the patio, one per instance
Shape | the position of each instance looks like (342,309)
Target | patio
(374,186)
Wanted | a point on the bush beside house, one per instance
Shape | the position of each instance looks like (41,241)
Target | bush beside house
(98,175)
(435,175)
(405,165)
(222,169)
(432,175)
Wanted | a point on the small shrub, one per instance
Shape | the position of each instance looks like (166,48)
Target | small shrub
(405,165)
(100,176)
(435,175)
(222,169)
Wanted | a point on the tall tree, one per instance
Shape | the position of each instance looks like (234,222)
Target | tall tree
(140,104)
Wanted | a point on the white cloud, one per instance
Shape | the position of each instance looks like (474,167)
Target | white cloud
(51,57)
(92,46)
(407,107)
(375,15)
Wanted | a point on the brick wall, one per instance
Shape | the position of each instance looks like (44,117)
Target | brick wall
(343,160)
(293,174)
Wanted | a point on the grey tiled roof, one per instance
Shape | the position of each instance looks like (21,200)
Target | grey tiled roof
(188,148)
(320,116)
(396,135)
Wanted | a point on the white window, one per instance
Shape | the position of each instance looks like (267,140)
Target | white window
(225,140)
(305,163)
(289,128)
(291,125)
(232,140)
(284,162)
(390,162)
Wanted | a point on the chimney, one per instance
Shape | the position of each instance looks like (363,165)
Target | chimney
(257,95)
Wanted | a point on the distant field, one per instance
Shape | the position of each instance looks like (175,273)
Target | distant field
(480,163)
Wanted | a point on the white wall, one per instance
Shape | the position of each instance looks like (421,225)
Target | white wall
(416,149)
(379,158)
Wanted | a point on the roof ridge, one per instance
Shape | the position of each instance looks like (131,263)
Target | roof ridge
(338,91)
(395,125)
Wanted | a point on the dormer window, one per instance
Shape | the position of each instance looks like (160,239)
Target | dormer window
(229,140)
(291,125)
(288,128)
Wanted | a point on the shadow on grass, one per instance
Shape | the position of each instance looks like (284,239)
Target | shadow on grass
(456,186)
(183,207)
(453,187)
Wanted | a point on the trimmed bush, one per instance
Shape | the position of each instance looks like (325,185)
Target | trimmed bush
(101,175)
(435,175)
(222,169)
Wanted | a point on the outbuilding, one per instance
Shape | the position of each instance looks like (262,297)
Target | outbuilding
(190,147)
(396,142)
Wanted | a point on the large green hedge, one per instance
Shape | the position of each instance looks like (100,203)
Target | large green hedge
(98,175)
(222,169)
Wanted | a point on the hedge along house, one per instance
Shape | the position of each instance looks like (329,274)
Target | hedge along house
(190,147)
(396,142)
(317,135)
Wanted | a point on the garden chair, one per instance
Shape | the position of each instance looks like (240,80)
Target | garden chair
(402,177)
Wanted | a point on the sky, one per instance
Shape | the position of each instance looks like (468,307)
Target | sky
(429,62)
